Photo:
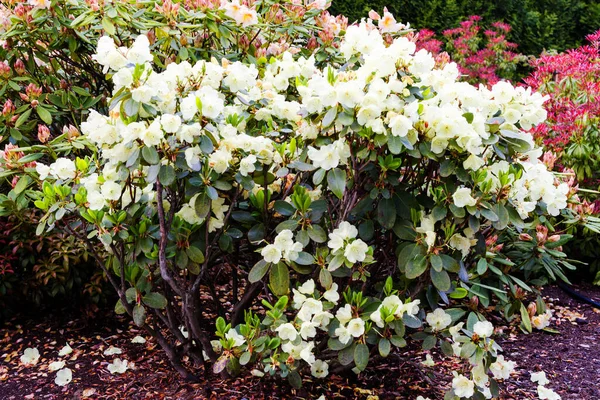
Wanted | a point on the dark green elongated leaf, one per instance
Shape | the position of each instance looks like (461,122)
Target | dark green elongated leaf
(294,379)
(317,234)
(279,279)
(416,267)
(386,213)
(284,208)
(195,254)
(525,318)
(202,205)
(437,263)
(155,300)
(22,118)
(429,342)
(336,181)
(256,233)
(404,203)
(412,260)
(441,280)
(44,115)
(258,271)
(361,356)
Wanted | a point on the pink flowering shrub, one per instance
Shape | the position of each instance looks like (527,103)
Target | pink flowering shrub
(483,55)
(572,82)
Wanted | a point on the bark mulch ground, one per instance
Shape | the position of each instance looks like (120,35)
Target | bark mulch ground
(570,358)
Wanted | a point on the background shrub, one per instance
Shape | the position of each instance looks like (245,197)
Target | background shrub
(537,25)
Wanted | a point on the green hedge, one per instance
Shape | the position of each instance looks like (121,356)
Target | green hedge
(537,24)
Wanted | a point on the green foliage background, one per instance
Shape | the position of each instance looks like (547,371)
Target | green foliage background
(536,24)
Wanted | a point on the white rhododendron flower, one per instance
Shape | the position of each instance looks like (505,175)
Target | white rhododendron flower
(319,369)
(483,329)
(30,356)
(542,321)
(112,351)
(501,369)
(462,197)
(55,365)
(439,319)
(356,327)
(63,377)
(540,378)
(238,339)
(138,340)
(547,394)
(271,254)
(463,386)
(287,331)
(63,168)
(118,366)
(65,350)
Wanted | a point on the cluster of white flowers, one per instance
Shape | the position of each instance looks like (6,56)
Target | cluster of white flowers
(312,315)
(283,247)
(345,247)
(351,325)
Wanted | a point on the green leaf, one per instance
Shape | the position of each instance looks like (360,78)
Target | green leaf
(325,278)
(329,117)
(279,278)
(245,358)
(294,379)
(119,308)
(155,300)
(525,318)
(361,356)
(437,263)
(414,260)
(22,118)
(482,266)
(202,205)
(22,184)
(258,271)
(386,213)
(195,254)
(384,347)
(166,175)
(108,26)
(284,208)
(150,155)
(139,314)
(459,293)
(441,280)
(317,234)
(336,181)
(44,115)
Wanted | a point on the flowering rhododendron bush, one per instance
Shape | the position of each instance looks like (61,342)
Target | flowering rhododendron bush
(343,181)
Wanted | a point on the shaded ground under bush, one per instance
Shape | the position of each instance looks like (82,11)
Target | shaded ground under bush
(570,358)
